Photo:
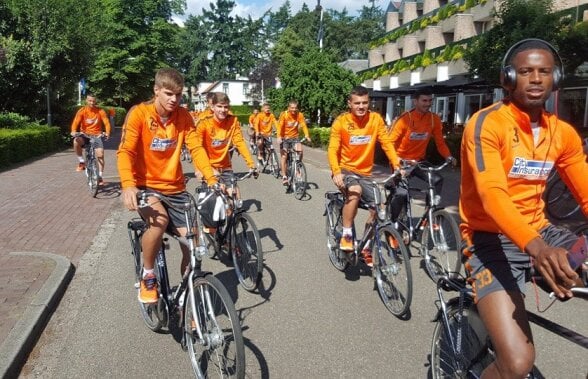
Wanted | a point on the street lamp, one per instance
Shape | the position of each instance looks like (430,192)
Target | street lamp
(120,80)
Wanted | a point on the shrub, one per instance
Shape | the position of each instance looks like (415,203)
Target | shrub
(17,145)
(14,121)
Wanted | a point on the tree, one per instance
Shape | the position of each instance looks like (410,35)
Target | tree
(517,19)
(573,45)
(315,82)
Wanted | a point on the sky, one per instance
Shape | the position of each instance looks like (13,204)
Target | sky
(256,8)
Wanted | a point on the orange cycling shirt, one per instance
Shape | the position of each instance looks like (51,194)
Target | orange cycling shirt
(411,134)
(91,121)
(149,151)
(264,123)
(213,140)
(252,118)
(353,142)
(504,171)
(289,125)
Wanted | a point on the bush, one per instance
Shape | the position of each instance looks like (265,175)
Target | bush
(14,121)
(17,145)
(320,136)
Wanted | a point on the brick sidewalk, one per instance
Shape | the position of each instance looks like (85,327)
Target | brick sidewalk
(46,208)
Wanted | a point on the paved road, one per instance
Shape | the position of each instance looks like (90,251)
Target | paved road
(309,321)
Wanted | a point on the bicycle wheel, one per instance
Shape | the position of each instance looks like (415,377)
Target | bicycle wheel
(392,271)
(581,230)
(299,180)
(560,202)
(212,331)
(334,230)
(152,314)
(247,252)
(467,360)
(274,164)
(442,248)
(92,176)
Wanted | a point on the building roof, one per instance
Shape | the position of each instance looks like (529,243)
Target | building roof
(355,65)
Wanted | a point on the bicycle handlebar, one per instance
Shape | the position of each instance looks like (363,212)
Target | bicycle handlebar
(374,181)
(82,134)
(409,163)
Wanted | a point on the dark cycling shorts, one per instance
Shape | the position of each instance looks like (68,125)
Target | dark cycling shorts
(95,141)
(289,143)
(367,191)
(176,216)
(495,263)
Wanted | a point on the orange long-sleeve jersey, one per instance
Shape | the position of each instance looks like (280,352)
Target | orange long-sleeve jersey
(504,171)
(289,125)
(252,118)
(413,130)
(91,120)
(213,140)
(264,123)
(149,151)
(352,143)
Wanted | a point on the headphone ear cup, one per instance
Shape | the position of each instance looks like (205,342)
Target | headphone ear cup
(508,78)
(557,77)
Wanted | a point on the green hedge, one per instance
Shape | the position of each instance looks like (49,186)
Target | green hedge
(320,136)
(17,145)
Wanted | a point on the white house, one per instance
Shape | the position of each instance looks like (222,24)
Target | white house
(239,91)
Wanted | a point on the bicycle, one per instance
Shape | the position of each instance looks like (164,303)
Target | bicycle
(211,329)
(436,230)
(560,203)
(391,263)
(236,231)
(295,169)
(91,162)
(461,347)
(185,154)
(269,157)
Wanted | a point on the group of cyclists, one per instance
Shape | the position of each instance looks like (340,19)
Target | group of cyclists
(507,152)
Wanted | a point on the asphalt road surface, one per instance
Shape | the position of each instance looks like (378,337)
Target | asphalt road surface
(308,321)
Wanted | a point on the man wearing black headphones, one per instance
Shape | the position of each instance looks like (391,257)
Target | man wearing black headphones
(507,152)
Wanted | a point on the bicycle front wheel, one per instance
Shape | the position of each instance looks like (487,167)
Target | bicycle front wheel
(334,231)
(92,176)
(247,252)
(441,245)
(274,164)
(393,273)
(299,180)
(212,331)
(467,359)
(561,204)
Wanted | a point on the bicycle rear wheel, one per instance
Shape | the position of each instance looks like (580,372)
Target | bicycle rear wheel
(392,271)
(468,359)
(92,176)
(560,203)
(151,313)
(299,180)
(334,230)
(247,252)
(442,247)
(212,331)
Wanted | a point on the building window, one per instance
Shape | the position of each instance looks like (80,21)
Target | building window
(245,89)
(226,88)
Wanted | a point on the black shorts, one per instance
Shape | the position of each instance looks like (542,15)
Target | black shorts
(176,216)
(96,142)
(367,190)
(289,143)
(495,263)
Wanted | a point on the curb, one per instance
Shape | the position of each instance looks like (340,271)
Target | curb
(22,338)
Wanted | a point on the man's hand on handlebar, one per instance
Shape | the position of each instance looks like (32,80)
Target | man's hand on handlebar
(452,161)
(254,172)
(129,197)
(338,180)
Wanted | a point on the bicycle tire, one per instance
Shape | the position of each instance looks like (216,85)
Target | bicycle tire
(334,233)
(475,346)
(393,274)
(151,313)
(299,180)
(581,230)
(220,352)
(442,248)
(274,164)
(92,176)
(210,242)
(560,203)
(247,252)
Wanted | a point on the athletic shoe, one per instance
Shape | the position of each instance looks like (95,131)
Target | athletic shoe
(284,180)
(148,291)
(81,166)
(346,243)
(367,257)
(100,181)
